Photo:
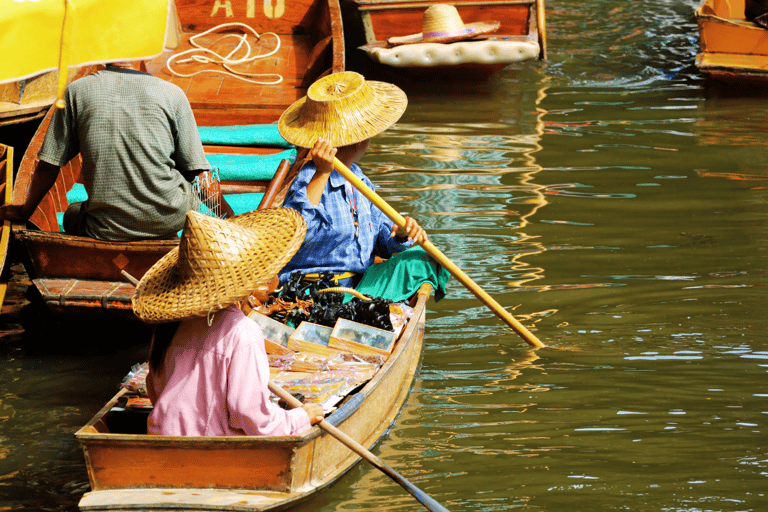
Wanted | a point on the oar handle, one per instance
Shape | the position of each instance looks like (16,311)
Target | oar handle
(359,449)
(441,258)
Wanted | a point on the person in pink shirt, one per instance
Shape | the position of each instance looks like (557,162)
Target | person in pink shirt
(208,370)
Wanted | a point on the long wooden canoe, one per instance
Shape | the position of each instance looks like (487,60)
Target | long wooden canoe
(131,470)
(731,48)
(78,275)
(81,275)
(521,36)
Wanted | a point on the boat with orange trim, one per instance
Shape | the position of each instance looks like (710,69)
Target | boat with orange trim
(521,36)
(731,48)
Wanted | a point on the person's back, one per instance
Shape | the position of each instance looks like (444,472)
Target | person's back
(135,133)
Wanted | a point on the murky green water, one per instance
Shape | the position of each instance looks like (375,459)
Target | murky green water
(619,203)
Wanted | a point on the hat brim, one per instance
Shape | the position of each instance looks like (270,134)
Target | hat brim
(163,295)
(470,31)
(363,122)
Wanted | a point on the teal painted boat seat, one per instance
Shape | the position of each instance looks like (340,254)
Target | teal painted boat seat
(244,135)
(249,167)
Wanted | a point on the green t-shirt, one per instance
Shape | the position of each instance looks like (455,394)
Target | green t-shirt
(135,132)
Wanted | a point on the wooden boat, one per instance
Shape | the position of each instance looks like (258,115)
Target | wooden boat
(28,99)
(311,44)
(6,186)
(130,470)
(731,48)
(521,36)
(77,275)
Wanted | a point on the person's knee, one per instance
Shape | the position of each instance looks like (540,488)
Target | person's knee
(74,219)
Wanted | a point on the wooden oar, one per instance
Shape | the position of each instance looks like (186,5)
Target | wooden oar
(542,29)
(359,449)
(441,258)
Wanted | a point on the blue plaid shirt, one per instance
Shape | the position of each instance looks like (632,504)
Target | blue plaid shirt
(331,243)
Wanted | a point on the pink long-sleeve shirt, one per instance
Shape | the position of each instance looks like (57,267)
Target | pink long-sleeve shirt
(214,383)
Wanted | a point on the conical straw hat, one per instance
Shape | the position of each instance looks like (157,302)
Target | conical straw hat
(442,24)
(217,263)
(344,109)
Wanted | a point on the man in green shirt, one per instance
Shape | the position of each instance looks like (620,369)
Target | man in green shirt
(140,152)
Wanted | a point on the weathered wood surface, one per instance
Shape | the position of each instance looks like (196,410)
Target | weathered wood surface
(137,471)
(311,43)
(27,100)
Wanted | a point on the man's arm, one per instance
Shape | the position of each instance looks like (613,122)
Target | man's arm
(210,191)
(42,180)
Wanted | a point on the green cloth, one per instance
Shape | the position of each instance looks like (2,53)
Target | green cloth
(400,276)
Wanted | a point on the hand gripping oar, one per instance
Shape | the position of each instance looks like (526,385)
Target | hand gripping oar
(359,449)
(441,258)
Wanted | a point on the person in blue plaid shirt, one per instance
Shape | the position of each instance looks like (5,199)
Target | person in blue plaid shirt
(345,232)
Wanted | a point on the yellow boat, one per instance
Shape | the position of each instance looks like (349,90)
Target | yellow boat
(731,48)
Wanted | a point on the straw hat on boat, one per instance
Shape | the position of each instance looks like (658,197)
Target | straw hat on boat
(217,263)
(442,24)
(343,108)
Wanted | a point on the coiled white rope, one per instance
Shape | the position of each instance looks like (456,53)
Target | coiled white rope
(204,55)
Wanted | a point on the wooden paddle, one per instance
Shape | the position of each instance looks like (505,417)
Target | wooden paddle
(542,29)
(441,258)
(359,449)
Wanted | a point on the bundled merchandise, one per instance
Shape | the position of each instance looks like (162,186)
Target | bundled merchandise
(136,380)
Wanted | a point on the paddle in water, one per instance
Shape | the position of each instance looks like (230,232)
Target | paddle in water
(441,258)
(359,449)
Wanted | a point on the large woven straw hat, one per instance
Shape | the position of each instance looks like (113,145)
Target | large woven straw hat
(217,263)
(344,109)
(442,24)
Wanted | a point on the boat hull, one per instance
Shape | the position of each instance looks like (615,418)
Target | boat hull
(730,47)
(311,44)
(136,471)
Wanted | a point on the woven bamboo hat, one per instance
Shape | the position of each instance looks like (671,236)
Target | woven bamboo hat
(442,24)
(217,263)
(343,108)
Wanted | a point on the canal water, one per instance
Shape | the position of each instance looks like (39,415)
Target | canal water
(617,203)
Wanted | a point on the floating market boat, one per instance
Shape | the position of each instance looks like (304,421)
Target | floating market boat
(731,48)
(83,275)
(131,470)
(521,36)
